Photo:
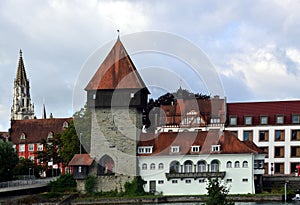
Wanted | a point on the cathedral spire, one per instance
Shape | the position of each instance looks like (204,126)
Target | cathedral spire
(21,78)
(22,107)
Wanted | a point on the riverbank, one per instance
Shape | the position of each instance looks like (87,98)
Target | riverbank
(83,199)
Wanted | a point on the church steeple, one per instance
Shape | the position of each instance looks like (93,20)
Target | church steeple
(22,107)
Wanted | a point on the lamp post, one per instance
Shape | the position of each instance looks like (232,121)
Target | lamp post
(285,185)
(80,135)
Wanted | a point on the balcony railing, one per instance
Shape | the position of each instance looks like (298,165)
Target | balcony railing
(195,175)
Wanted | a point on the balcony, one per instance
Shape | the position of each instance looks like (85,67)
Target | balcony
(195,175)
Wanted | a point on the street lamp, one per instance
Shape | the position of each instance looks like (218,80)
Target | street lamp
(285,184)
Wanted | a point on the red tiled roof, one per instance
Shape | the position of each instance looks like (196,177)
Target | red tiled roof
(163,142)
(270,109)
(35,129)
(81,160)
(116,72)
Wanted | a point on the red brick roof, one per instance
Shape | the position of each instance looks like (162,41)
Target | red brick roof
(81,160)
(229,143)
(35,129)
(258,109)
(116,72)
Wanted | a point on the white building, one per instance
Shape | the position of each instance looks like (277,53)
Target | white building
(180,163)
(272,126)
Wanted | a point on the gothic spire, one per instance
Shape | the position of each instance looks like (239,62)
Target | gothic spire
(21,77)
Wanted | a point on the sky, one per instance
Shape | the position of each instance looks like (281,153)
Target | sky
(253,45)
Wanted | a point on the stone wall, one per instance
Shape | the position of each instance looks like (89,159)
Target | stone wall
(115,133)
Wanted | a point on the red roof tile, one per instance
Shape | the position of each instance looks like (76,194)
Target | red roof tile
(270,109)
(35,129)
(116,72)
(81,160)
(228,142)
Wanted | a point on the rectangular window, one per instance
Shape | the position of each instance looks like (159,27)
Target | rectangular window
(235,133)
(215,148)
(264,135)
(279,168)
(294,167)
(279,135)
(188,181)
(245,180)
(145,150)
(40,147)
(174,181)
(22,148)
(264,120)
(195,148)
(232,121)
(160,181)
(248,120)
(79,169)
(279,152)
(296,119)
(201,180)
(248,135)
(228,180)
(295,151)
(295,135)
(31,147)
(175,149)
(279,119)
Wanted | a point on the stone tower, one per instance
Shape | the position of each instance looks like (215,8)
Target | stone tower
(117,95)
(22,107)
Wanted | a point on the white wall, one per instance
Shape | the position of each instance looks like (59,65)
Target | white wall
(237,186)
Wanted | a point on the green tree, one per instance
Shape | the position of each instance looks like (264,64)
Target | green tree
(82,123)
(50,152)
(217,193)
(8,161)
(27,167)
(70,144)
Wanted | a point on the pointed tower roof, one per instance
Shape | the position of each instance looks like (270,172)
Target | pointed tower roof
(116,72)
(44,116)
(21,77)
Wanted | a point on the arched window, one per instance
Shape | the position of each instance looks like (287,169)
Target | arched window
(22,136)
(245,164)
(214,166)
(201,166)
(174,167)
(229,164)
(188,166)
(50,135)
(237,164)
(106,166)
(144,166)
(152,166)
(160,166)
(65,124)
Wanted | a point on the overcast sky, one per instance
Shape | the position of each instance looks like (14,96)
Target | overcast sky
(254,45)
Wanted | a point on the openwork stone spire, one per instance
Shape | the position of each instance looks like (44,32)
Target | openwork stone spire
(22,107)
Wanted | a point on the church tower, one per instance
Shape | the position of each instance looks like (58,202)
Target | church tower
(116,95)
(22,107)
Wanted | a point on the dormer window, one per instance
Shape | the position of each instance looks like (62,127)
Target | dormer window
(50,135)
(23,136)
(216,148)
(195,148)
(175,149)
(248,120)
(263,120)
(145,150)
(65,124)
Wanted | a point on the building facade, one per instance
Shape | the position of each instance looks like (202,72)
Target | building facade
(27,135)
(272,126)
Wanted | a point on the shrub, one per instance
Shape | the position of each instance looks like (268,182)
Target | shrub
(89,184)
(64,183)
(136,187)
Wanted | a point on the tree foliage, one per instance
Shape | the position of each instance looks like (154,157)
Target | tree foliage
(82,123)
(8,161)
(50,152)
(136,187)
(217,193)
(27,167)
(70,144)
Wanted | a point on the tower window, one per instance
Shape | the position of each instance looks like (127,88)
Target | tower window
(23,136)
(65,124)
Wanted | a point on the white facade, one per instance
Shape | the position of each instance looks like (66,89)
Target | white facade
(239,177)
(289,146)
